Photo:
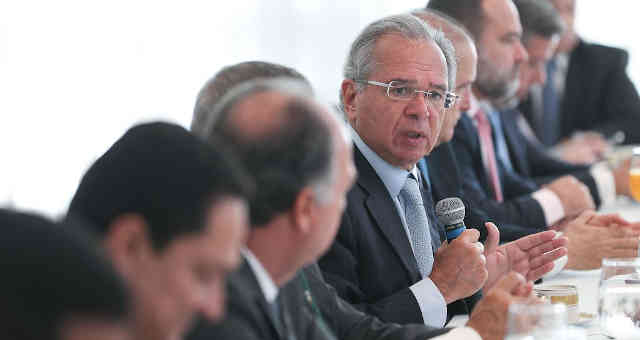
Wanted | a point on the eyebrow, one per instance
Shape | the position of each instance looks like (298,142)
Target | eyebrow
(413,83)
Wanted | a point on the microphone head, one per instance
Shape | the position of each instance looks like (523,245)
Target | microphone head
(450,211)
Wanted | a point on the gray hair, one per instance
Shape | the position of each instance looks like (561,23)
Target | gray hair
(360,61)
(301,105)
(539,17)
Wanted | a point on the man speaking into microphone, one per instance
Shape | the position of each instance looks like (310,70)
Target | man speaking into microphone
(388,258)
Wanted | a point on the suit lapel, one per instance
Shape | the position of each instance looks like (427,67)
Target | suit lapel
(260,300)
(383,210)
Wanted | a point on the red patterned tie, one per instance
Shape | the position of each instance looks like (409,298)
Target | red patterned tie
(488,152)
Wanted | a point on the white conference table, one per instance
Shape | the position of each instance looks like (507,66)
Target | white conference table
(587,281)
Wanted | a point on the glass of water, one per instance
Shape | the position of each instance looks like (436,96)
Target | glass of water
(619,300)
(537,322)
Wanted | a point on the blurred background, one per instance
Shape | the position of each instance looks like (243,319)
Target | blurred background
(74,75)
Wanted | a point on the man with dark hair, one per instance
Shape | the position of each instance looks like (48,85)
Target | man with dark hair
(171,212)
(56,284)
(589,96)
(542,27)
(481,152)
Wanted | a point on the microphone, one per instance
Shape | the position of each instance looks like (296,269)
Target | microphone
(451,212)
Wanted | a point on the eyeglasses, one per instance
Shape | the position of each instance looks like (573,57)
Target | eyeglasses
(398,90)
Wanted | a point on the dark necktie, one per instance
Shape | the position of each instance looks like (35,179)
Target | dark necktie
(550,120)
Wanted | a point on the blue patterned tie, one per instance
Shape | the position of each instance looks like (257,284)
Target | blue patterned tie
(418,225)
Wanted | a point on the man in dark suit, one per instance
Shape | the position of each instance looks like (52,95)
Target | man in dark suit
(542,27)
(389,229)
(171,212)
(588,91)
(489,180)
(441,164)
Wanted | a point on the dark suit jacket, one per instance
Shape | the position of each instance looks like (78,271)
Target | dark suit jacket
(446,181)
(531,160)
(311,309)
(518,207)
(371,263)
(598,94)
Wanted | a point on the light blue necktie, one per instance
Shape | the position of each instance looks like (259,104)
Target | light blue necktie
(502,152)
(418,225)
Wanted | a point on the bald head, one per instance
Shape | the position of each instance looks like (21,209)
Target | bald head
(283,137)
(233,75)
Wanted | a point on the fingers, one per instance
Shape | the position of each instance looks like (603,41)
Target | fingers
(548,246)
(537,273)
(548,257)
(511,282)
(469,236)
(534,240)
(623,243)
(623,253)
(584,217)
(493,238)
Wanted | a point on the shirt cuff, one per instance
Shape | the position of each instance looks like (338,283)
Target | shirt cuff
(432,304)
(605,182)
(466,333)
(551,205)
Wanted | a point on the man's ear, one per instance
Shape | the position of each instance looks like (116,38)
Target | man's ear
(349,93)
(302,210)
(128,243)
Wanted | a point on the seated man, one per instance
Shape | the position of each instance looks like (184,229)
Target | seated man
(56,285)
(542,26)
(171,213)
(295,217)
(588,99)
(441,165)
(393,94)
(588,243)
(489,180)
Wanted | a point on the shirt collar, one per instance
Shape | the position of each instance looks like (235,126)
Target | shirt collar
(393,177)
(268,287)
(475,105)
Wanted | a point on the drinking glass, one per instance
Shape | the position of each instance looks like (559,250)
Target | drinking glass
(537,322)
(619,299)
(634,174)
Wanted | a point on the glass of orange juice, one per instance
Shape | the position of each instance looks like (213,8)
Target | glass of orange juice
(634,174)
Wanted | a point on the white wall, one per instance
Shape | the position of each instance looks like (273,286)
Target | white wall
(74,75)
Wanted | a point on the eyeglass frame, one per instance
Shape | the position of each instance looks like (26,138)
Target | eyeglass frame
(449,97)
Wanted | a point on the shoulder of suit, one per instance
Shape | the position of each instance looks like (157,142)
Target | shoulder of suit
(602,52)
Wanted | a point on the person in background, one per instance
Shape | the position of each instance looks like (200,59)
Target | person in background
(478,143)
(171,212)
(56,283)
(588,101)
